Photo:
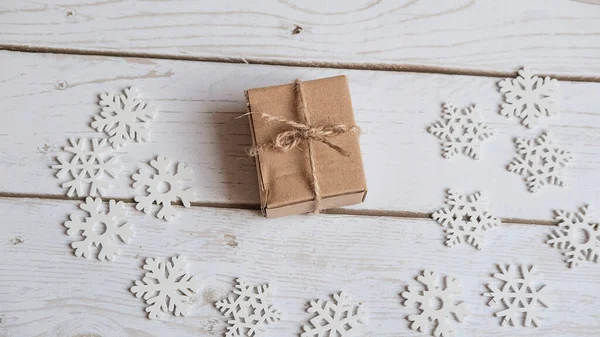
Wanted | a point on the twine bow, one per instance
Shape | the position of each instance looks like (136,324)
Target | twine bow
(300,133)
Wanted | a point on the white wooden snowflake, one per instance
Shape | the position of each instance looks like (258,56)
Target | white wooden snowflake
(335,318)
(164,187)
(460,130)
(124,117)
(576,249)
(529,97)
(100,229)
(249,310)
(520,294)
(540,162)
(436,304)
(166,287)
(465,217)
(86,166)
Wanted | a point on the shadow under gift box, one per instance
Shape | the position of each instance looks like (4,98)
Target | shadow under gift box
(285,177)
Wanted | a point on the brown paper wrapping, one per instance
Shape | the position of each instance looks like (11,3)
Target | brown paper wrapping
(285,177)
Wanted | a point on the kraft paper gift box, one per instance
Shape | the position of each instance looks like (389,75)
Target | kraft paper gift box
(286,176)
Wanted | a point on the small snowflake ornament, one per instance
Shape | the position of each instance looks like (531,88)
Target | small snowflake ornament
(460,130)
(540,162)
(520,294)
(529,97)
(436,303)
(166,287)
(465,217)
(576,249)
(124,117)
(335,318)
(86,166)
(109,226)
(249,310)
(164,187)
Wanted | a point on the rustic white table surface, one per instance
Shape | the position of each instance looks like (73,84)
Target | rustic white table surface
(193,59)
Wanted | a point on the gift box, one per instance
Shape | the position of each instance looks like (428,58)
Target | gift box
(305,144)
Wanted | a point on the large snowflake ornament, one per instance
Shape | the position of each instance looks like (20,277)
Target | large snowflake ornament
(465,217)
(529,97)
(460,130)
(249,310)
(99,228)
(520,294)
(164,187)
(577,236)
(86,167)
(335,318)
(436,304)
(540,162)
(166,287)
(124,117)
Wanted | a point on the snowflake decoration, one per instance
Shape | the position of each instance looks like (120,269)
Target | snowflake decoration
(250,310)
(110,226)
(336,318)
(529,97)
(540,162)
(519,294)
(565,237)
(86,167)
(460,130)
(163,188)
(124,117)
(166,287)
(435,303)
(465,218)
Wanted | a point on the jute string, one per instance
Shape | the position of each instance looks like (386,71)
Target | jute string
(300,133)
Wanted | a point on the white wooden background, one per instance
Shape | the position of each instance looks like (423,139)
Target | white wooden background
(403,59)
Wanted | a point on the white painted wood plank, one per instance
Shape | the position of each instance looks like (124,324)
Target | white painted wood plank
(557,37)
(46,291)
(197,125)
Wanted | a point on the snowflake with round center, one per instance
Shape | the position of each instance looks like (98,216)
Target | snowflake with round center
(86,166)
(166,287)
(529,97)
(519,294)
(540,162)
(436,304)
(335,318)
(99,228)
(460,130)
(249,308)
(577,236)
(465,218)
(124,117)
(163,188)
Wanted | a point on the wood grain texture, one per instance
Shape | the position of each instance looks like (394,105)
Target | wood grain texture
(556,37)
(46,291)
(49,98)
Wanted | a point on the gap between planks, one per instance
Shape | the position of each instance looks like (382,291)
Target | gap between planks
(336,211)
(409,68)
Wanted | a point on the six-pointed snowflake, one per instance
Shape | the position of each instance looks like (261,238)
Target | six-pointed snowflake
(108,224)
(460,130)
(436,304)
(521,293)
(124,117)
(249,308)
(86,166)
(529,97)
(576,249)
(465,218)
(164,187)
(540,162)
(166,287)
(335,318)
